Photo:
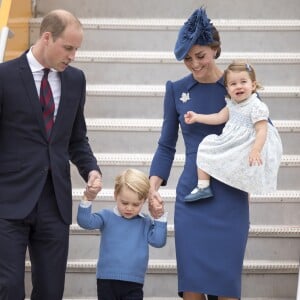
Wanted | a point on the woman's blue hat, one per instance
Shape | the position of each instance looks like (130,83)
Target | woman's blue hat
(197,30)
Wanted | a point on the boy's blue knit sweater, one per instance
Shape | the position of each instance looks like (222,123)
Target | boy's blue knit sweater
(124,246)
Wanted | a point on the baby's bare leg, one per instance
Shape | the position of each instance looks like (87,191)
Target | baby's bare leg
(202,175)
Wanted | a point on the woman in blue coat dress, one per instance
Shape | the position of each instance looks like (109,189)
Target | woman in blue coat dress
(210,234)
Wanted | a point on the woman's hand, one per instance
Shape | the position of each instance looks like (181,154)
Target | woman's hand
(155,204)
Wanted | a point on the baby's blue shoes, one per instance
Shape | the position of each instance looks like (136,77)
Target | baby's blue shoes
(198,193)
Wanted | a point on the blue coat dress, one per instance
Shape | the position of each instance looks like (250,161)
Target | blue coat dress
(210,234)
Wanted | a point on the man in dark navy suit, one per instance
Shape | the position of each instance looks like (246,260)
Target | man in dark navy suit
(35,183)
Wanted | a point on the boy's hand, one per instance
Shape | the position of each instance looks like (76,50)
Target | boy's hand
(94,185)
(155,204)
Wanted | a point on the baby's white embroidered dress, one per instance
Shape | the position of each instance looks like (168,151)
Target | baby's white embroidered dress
(226,157)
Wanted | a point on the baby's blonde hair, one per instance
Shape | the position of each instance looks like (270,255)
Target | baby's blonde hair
(241,66)
(135,180)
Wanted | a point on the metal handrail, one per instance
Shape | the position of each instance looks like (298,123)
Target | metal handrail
(5,32)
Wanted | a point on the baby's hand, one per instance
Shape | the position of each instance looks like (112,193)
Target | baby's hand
(255,158)
(190,117)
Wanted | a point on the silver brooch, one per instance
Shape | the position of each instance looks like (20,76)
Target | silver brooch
(185,97)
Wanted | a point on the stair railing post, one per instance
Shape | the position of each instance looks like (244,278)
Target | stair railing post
(298,288)
(4,34)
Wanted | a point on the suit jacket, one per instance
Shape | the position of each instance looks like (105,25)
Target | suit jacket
(25,153)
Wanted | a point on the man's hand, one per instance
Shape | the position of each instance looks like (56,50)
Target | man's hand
(94,185)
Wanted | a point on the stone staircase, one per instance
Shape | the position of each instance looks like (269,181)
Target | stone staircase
(127,57)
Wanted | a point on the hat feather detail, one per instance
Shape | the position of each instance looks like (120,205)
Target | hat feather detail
(197,30)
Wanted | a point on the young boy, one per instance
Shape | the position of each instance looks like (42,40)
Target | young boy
(125,237)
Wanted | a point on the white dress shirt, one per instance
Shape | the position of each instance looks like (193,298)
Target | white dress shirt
(53,78)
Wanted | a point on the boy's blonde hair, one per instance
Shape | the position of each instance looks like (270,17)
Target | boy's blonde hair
(240,66)
(135,180)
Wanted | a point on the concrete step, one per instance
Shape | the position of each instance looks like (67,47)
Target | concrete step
(136,90)
(153,298)
(174,298)
(144,134)
(140,67)
(161,34)
(273,242)
(269,9)
(113,163)
(130,100)
(280,208)
(263,278)
(145,298)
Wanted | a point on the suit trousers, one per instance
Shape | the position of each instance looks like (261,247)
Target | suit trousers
(46,237)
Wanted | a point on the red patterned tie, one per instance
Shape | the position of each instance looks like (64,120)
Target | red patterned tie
(47,102)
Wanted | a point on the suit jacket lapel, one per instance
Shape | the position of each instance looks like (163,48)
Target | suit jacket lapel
(61,108)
